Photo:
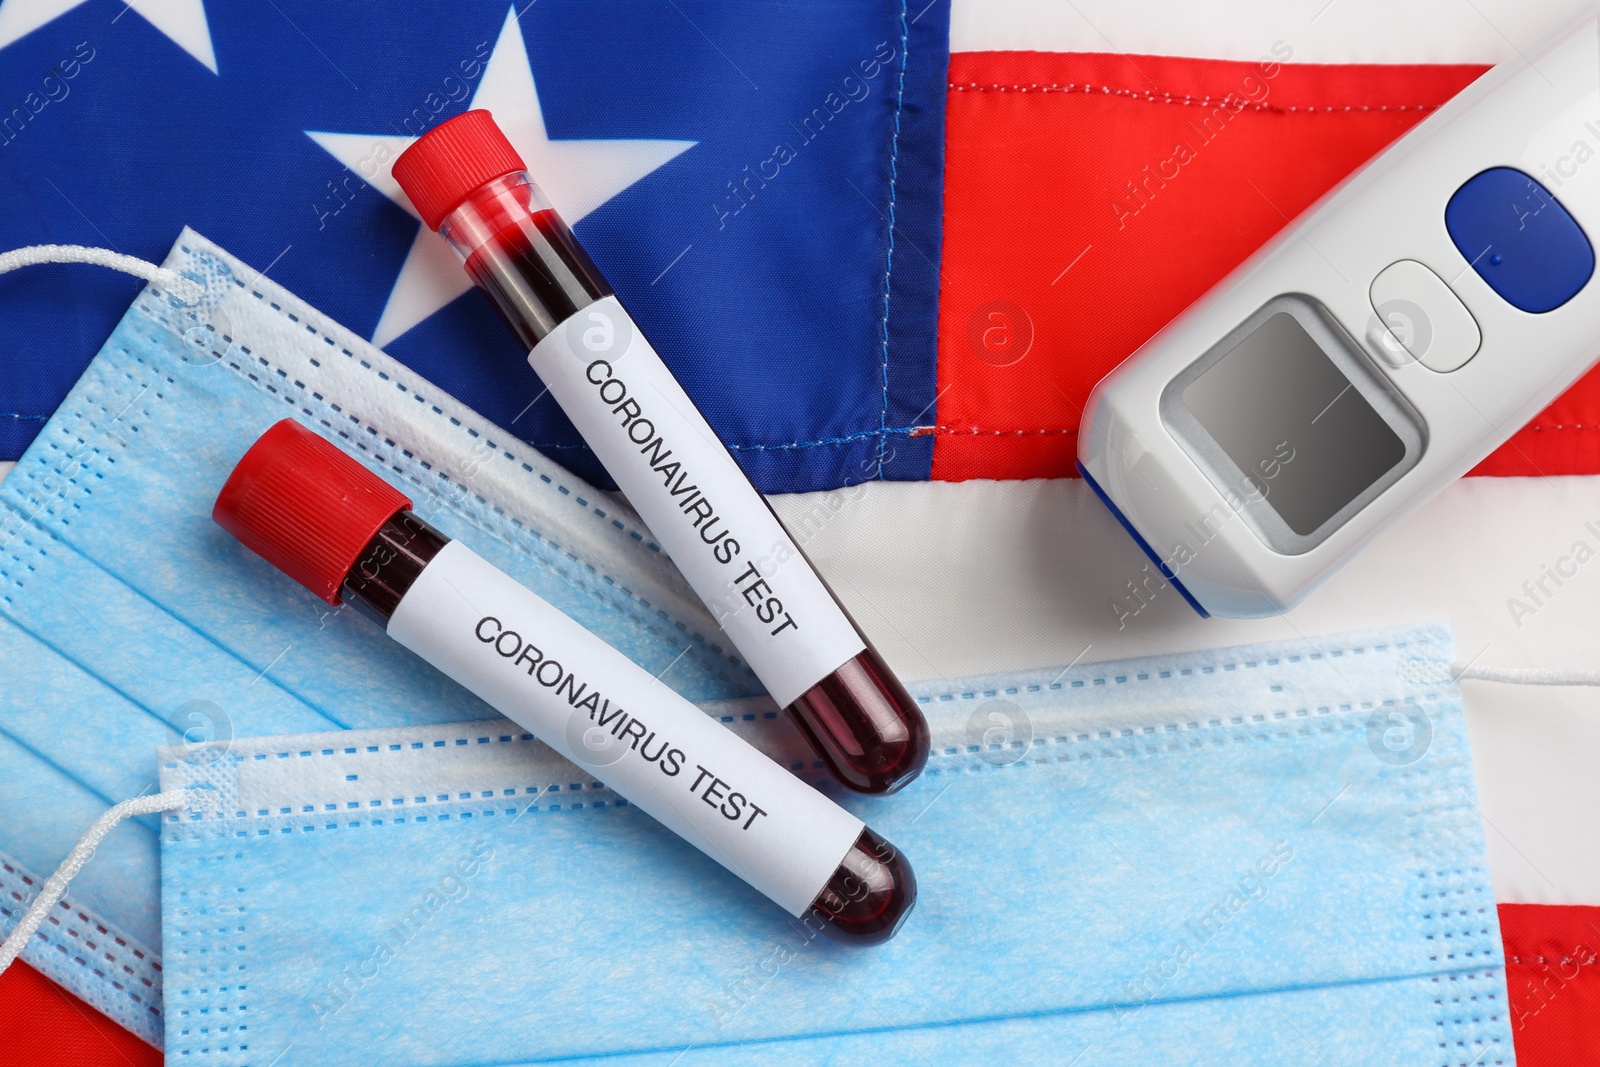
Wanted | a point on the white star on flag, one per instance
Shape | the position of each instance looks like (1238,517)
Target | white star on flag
(184,21)
(577,175)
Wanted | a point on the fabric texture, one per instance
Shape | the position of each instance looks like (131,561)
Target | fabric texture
(345,193)
(1134,236)
(1553,982)
(129,619)
(1060,261)
(43,1025)
(87,954)
(760,183)
(1352,31)
(1003,576)
(816,376)
(1257,855)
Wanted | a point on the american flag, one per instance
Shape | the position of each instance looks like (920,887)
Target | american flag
(877,242)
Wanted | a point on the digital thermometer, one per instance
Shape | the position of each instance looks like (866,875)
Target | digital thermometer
(1373,352)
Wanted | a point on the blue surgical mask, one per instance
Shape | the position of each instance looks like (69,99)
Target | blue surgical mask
(1262,855)
(128,619)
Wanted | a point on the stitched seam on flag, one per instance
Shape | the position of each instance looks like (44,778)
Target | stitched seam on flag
(891,431)
(959,431)
(821,442)
(888,266)
(923,431)
(978,431)
(1231,101)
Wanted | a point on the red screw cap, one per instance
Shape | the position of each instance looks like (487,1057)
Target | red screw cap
(451,160)
(305,506)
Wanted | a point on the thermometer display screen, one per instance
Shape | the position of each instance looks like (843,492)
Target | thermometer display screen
(1305,437)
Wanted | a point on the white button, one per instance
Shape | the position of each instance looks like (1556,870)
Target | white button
(1420,313)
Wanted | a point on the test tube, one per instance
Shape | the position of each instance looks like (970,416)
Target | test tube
(469,183)
(326,521)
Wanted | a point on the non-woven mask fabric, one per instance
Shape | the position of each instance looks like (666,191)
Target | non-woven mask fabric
(128,619)
(1262,855)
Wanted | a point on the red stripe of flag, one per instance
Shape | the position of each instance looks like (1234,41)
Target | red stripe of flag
(1089,198)
(42,1025)
(1553,980)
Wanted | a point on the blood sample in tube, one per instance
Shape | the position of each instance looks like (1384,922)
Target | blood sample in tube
(347,535)
(467,182)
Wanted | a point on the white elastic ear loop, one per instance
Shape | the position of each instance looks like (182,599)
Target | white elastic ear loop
(56,887)
(185,289)
(1436,671)
(1525,675)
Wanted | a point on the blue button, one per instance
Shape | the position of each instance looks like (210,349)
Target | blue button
(1519,239)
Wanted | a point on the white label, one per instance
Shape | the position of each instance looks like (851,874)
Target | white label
(597,708)
(695,499)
